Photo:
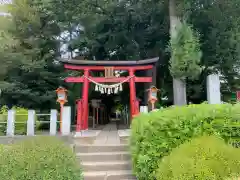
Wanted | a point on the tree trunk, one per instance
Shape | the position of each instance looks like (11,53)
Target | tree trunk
(179,86)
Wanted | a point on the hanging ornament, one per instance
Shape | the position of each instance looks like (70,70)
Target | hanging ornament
(120,87)
(116,90)
(96,87)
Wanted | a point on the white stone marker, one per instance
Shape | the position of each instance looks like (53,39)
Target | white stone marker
(143,109)
(11,123)
(31,123)
(213,89)
(53,122)
(66,121)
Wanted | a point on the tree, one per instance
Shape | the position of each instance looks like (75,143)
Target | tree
(7,42)
(117,30)
(218,23)
(185,55)
(123,30)
(35,77)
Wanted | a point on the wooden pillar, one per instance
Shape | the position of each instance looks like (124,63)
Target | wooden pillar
(79,116)
(85,99)
(94,117)
(105,116)
(132,92)
(97,116)
(136,107)
(100,115)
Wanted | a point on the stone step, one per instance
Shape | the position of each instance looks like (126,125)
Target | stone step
(91,148)
(124,140)
(84,140)
(106,166)
(103,156)
(109,175)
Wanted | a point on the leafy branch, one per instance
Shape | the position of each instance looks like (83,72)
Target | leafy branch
(185,53)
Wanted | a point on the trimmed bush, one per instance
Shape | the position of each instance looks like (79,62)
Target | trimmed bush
(21,120)
(201,158)
(39,158)
(154,135)
(138,128)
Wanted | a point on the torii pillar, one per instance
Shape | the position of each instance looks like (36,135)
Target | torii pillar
(85,99)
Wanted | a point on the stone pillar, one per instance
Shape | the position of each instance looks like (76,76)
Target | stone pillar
(66,121)
(143,109)
(179,92)
(11,123)
(213,89)
(31,123)
(53,122)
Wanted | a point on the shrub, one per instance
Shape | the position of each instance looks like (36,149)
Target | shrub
(39,158)
(21,120)
(168,128)
(137,135)
(201,158)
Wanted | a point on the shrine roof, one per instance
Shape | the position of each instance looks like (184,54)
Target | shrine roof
(109,63)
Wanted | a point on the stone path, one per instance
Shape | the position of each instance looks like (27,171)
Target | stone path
(108,135)
(104,158)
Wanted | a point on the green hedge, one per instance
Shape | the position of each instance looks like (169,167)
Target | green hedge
(20,119)
(202,158)
(154,135)
(39,158)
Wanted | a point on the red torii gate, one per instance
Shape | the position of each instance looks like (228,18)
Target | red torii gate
(88,65)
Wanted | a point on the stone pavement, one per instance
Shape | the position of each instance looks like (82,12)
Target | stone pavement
(108,135)
(104,158)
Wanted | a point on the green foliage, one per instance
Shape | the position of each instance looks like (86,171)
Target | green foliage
(185,53)
(201,158)
(32,35)
(21,117)
(219,38)
(29,51)
(138,128)
(39,158)
(3,110)
(3,120)
(154,135)
(130,30)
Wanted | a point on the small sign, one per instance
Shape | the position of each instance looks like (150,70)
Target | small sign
(61,96)
(152,97)
(238,95)
(96,103)
(109,72)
